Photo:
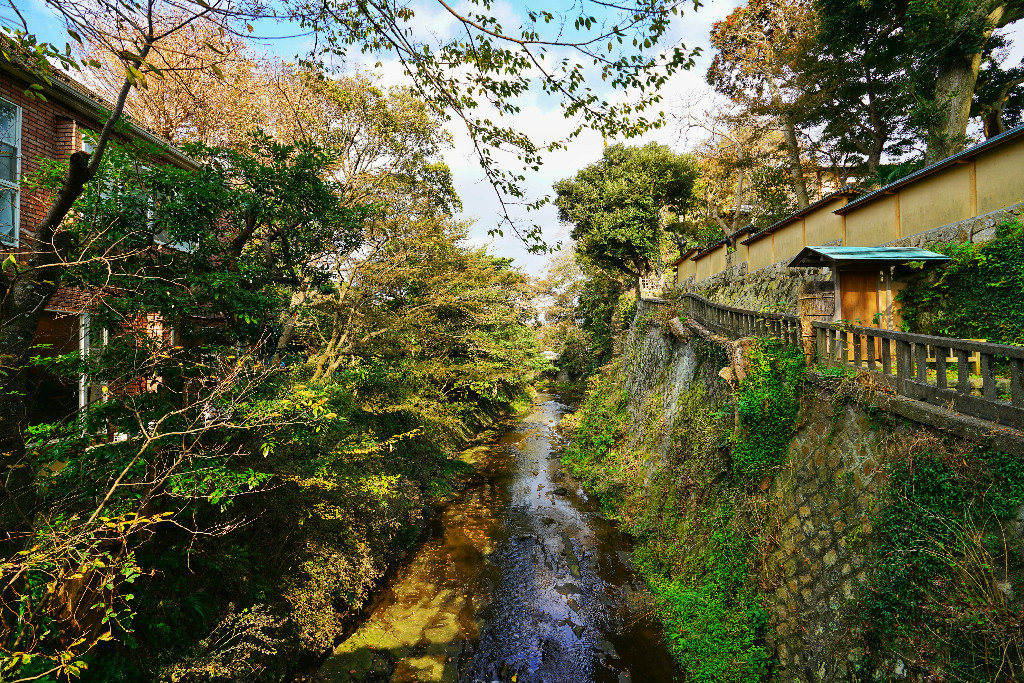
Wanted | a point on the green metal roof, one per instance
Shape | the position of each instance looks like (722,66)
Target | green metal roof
(820,257)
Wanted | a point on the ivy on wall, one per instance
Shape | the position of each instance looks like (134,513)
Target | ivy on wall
(944,596)
(714,621)
(976,295)
(767,404)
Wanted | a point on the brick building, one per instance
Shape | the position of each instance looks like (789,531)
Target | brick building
(33,129)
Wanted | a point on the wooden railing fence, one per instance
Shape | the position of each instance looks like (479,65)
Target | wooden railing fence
(936,370)
(738,322)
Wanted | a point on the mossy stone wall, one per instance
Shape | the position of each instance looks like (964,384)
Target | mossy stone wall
(808,531)
(824,497)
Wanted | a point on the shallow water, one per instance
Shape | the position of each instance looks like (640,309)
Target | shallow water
(523,581)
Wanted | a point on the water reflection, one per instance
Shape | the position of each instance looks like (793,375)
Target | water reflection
(524,582)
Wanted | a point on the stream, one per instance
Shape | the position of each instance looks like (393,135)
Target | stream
(523,580)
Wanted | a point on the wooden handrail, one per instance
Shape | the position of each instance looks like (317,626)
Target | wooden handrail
(723,307)
(948,342)
(897,360)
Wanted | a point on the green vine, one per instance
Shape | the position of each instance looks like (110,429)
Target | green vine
(976,294)
(713,617)
(939,597)
(767,404)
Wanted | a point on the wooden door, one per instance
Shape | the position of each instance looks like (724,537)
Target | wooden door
(859,293)
(862,304)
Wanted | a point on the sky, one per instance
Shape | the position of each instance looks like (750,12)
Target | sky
(540,117)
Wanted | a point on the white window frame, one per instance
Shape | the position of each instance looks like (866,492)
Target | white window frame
(16,232)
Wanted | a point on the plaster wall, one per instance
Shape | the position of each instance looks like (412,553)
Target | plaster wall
(823,226)
(759,253)
(789,240)
(1000,182)
(939,199)
(872,224)
(703,267)
(717,258)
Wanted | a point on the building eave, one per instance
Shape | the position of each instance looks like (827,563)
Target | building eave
(83,101)
(844,192)
(942,165)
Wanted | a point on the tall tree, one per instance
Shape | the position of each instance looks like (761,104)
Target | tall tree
(744,174)
(480,63)
(756,65)
(999,95)
(484,64)
(938,46)
(621,206)
(956,62)
(859,86)
(183,405)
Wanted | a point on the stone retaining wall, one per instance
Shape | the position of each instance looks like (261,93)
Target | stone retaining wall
(817,507)
(823,497)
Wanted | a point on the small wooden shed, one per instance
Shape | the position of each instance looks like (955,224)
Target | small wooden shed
(863,279)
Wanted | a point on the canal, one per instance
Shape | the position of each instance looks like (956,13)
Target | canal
(523,581)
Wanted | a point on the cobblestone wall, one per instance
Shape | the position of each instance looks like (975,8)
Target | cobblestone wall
(823,497)
(818,505)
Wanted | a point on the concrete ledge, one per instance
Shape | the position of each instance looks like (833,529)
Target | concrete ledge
(981,432)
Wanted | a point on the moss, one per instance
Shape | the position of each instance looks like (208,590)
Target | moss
(767,405)
(698,530)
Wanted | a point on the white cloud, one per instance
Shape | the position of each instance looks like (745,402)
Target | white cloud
(542,119)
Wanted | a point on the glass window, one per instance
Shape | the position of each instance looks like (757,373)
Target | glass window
(10,157)
(8,215)
(88,141)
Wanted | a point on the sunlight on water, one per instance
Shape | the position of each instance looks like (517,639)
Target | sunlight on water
(524,581)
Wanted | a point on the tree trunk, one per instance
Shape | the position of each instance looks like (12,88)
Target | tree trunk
(796,168)
(954,92)
(25,300)
(879,128)
(290,319)
(25,295)
(738,204)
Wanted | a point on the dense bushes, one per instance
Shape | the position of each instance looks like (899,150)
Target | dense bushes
(246,479)
(714,622)
(976,295)
(598,426)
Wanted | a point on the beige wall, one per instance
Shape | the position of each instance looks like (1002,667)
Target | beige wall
(1001,176)
(684,270)
(718,259)
(740,255)
(822,226)
(872,223)
(789,240)
(704,267)
(759,253)
(939,199)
